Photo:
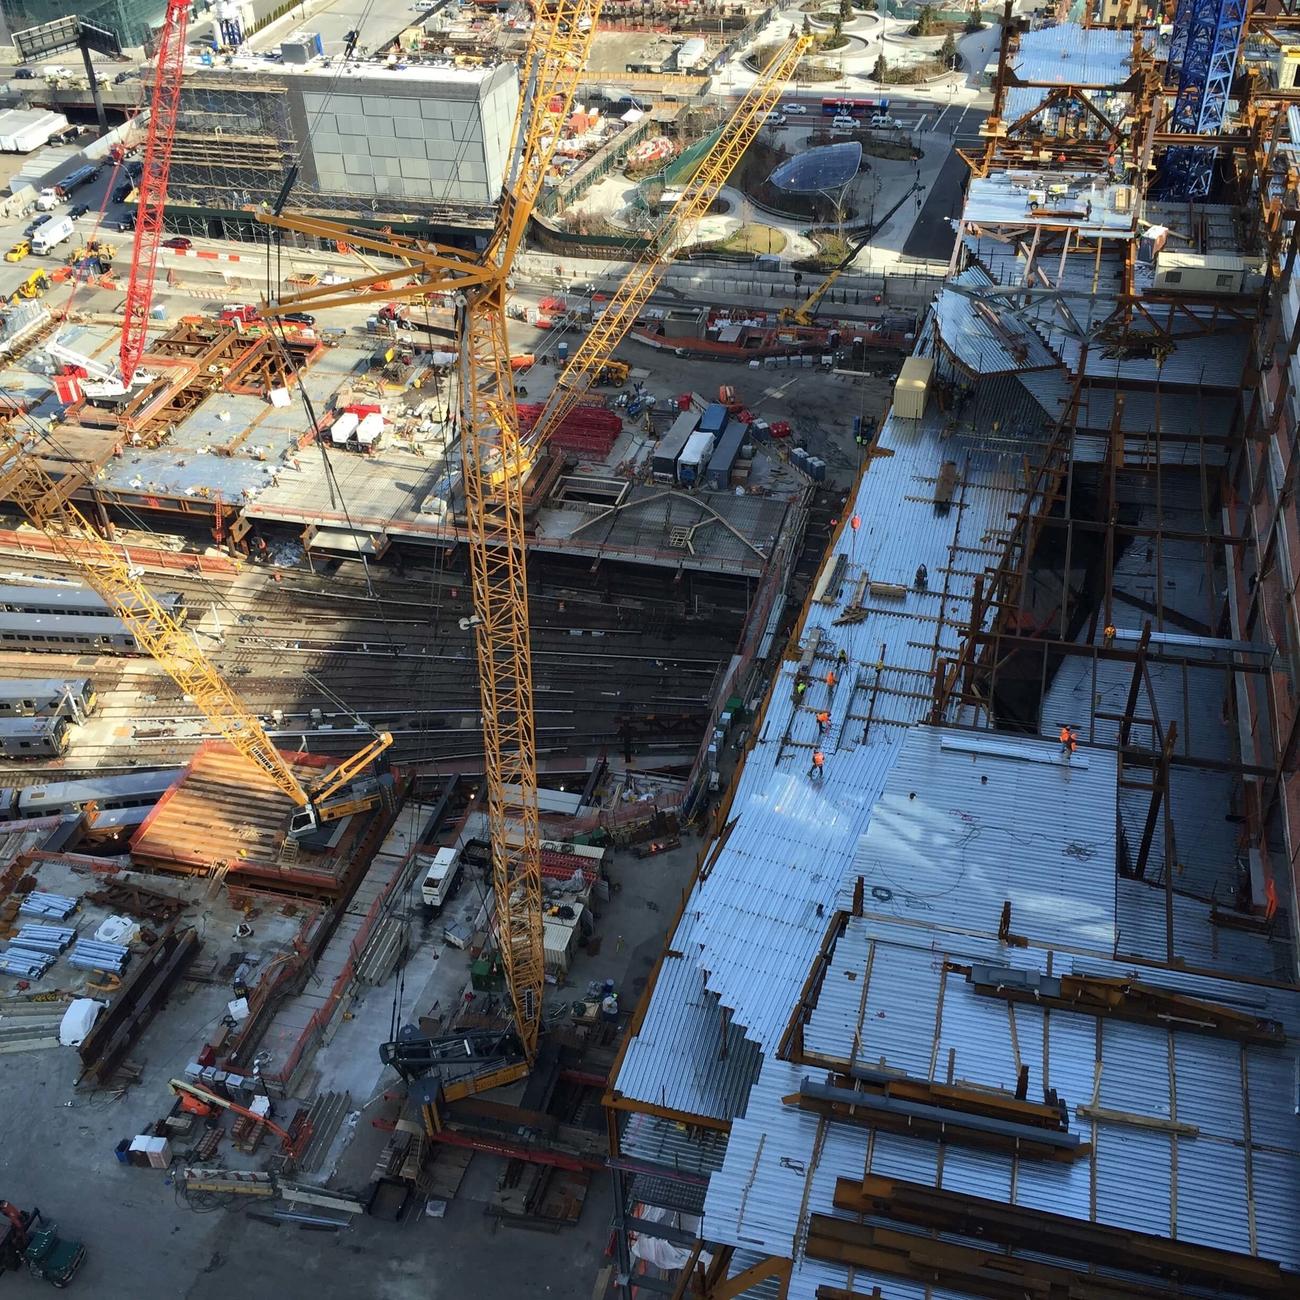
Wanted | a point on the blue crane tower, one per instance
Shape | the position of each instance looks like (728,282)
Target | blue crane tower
(1202,59)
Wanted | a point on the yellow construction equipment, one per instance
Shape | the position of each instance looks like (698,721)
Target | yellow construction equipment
(34,286)
(47,502)
(105,253)
(493,457)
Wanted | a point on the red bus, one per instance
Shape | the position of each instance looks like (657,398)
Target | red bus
(853,107)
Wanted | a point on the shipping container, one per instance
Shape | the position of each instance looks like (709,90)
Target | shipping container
(695,456)
(1178,272)
(663,464)
(714,419)
(912,390)
(724,455)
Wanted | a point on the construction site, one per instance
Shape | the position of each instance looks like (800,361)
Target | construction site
(608,691)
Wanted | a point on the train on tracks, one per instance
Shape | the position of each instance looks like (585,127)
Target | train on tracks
(67,634)
(69,620)
(32,738)
(131,790)
(53,697)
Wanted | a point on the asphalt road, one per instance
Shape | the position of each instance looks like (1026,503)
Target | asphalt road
(932,233)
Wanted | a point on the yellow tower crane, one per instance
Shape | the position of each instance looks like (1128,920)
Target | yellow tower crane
(493,457)
(47,502)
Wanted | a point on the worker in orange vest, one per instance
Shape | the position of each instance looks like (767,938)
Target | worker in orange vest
(818,763)
(830,678)
(823,721)
(1069,740)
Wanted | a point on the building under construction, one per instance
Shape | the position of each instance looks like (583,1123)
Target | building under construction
(987,983)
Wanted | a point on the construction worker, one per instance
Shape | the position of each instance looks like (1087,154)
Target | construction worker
(799,687)
(830,678)
(922,577)
(818,764)
(843,657)
(823,721)
(1108,636)
(1069,740)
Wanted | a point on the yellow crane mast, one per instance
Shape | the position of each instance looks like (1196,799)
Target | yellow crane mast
(621,312)
(494,507)
(47,502)
(492,454)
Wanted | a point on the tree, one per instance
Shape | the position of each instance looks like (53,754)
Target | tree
(807,26)
(949,51)
(837,31)
(975,23)
(881,71)
(925,21)
(846,10)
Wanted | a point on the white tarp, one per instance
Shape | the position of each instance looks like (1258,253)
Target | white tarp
(117,929)
(663,1254)
(78,1020)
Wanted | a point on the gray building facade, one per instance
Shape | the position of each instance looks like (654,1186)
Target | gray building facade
(417,142)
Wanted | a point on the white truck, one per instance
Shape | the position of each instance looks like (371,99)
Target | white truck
(51,234)
(48,199)
(441,878)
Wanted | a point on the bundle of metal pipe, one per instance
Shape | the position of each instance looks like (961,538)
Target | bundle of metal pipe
(39,903)
(51,939)
(92,954)
(24,963)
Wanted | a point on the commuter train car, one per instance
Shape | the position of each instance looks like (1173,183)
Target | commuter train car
(132,790)
(56,697)
(72,600)
(66,634)
(33,737)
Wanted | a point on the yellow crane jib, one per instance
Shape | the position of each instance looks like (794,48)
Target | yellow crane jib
(47,502)
(629,300)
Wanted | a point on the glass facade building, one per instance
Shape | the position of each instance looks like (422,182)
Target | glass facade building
(130,20)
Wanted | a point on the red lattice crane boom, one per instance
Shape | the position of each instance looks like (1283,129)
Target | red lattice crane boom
(164,103)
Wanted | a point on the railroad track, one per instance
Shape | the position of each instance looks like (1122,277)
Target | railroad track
(399,655)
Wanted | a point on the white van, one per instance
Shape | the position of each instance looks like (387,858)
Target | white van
(883,121)
(441,878)
(842,122)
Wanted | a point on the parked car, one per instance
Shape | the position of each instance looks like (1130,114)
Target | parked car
(37,224)
(843,122)
(24,74)
(79,211)
(794,108)
(774,118)
(122,192)
(121,77)
(178,242)
(299,317)
(18,251)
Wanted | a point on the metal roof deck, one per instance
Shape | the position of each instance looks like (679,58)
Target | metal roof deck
(1225,1179)
(752,925)
(1072,55)
(970,820)
(1010,347)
